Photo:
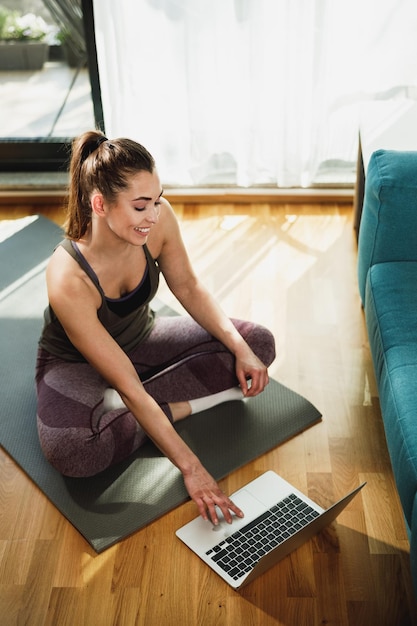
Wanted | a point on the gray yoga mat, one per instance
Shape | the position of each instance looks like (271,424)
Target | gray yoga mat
(123,499)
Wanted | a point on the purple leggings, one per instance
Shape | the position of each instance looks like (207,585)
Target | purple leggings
(178,361)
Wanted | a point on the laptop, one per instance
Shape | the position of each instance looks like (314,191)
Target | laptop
(278,519)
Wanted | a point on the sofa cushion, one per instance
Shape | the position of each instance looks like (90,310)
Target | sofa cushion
(391,318)
(390,206)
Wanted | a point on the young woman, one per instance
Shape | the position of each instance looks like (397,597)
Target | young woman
(109,372)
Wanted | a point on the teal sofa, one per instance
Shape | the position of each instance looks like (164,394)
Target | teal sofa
(387,273)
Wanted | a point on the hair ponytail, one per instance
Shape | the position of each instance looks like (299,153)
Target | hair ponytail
(98,164)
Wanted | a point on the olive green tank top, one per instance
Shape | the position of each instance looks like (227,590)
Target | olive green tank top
(128,320)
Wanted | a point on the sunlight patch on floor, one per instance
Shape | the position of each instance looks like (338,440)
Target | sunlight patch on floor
(230,222)
(318,232)
(11,227)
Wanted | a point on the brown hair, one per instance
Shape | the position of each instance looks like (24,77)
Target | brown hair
(98,164)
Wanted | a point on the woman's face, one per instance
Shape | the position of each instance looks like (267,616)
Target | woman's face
(136,209)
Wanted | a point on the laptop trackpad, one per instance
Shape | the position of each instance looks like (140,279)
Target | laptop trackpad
(251,507)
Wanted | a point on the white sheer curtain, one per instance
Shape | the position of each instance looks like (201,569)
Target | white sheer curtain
(251,92)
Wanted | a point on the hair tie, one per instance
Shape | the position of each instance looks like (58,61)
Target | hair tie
(100,141)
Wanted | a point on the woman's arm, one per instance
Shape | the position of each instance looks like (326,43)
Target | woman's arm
(198,302)
(75,301)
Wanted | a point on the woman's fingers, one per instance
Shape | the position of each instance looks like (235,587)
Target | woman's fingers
(209,498)
(259,381)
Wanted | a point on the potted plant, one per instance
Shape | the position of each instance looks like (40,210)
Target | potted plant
(22,45)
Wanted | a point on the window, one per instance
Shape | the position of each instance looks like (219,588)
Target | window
(54,97)
(252,93)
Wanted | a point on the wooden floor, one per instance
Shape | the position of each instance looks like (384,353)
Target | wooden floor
(292,268)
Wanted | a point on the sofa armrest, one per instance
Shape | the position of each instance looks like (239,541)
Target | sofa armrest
(388,228)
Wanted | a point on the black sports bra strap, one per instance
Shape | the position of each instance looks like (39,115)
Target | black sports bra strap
(71,247)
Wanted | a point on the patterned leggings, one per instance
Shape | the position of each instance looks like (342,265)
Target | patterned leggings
(178,361)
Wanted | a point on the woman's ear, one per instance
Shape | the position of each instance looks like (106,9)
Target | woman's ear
(97,204)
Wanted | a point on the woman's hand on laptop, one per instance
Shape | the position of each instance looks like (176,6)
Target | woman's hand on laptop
(206,493)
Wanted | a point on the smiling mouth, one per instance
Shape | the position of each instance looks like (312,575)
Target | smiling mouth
(144,231)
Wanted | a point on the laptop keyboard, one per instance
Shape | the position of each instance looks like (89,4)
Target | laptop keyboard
(239,553)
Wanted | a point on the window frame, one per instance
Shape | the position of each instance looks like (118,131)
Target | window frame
(45,154)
